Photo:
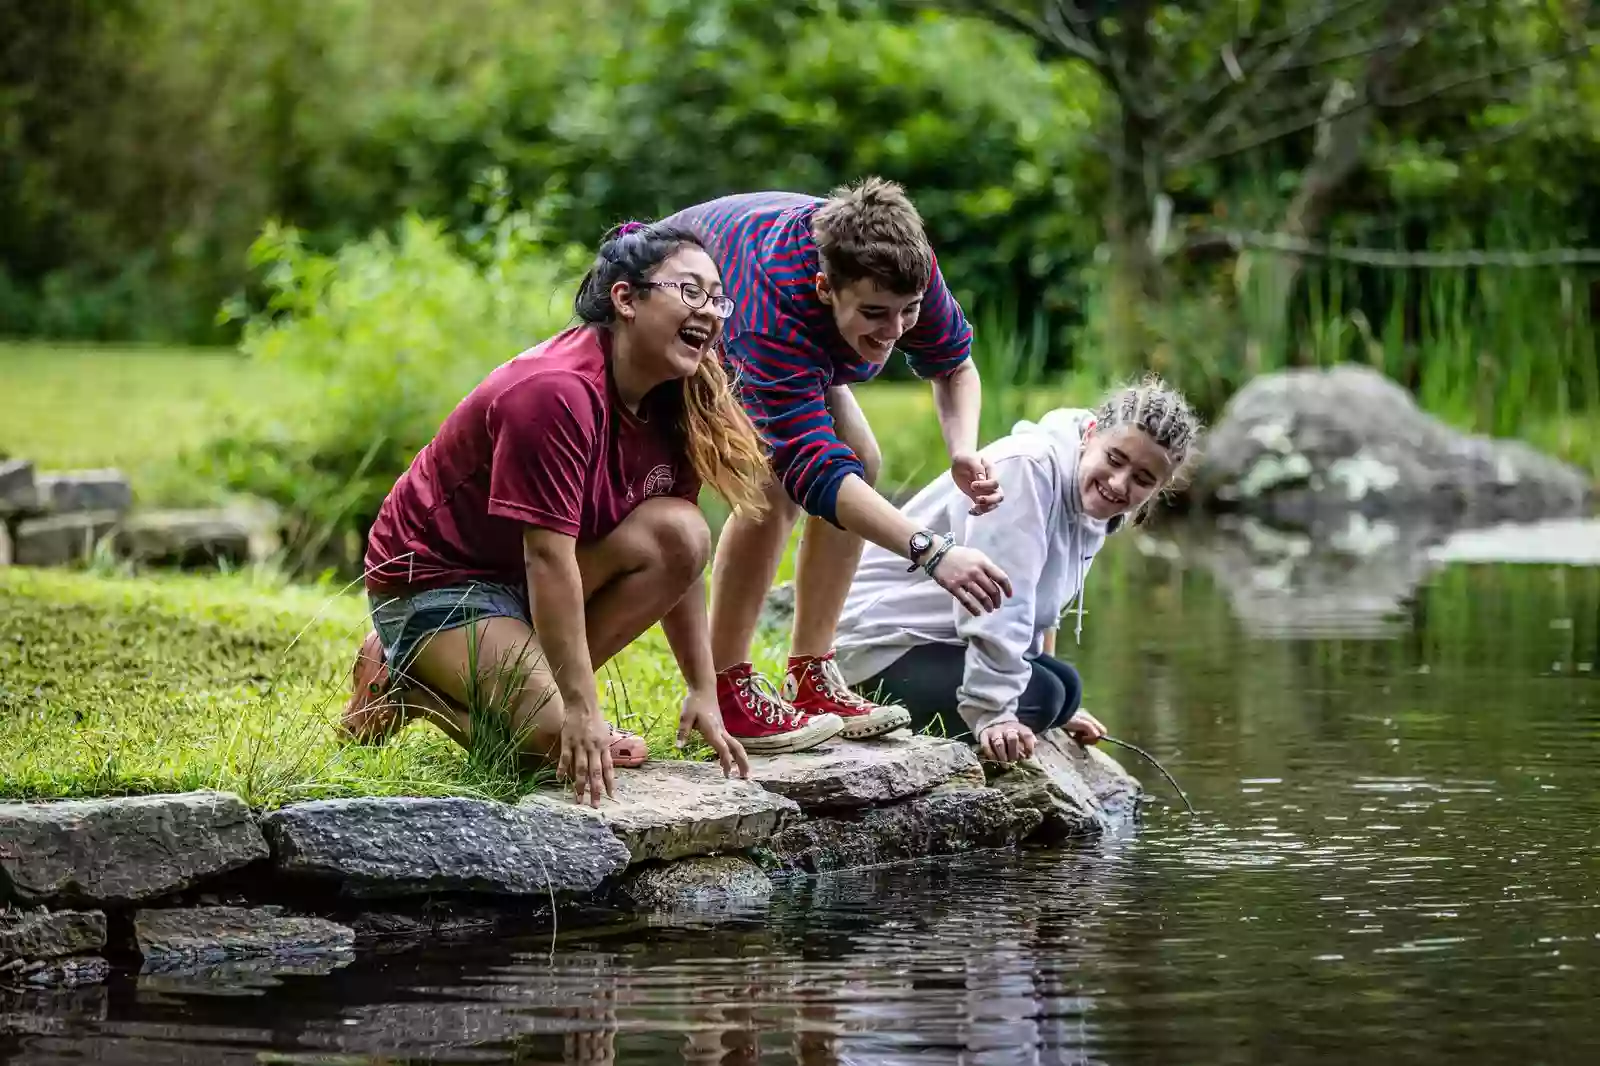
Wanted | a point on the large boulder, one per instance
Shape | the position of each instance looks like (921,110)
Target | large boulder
(404,846)
(181,936)
(115,852)
(1305,447)
(847,774)
(948,821)
(671,809)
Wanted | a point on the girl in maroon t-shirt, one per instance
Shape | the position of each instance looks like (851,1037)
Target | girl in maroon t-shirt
(552,520)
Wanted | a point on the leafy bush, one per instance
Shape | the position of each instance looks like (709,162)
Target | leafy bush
(384,338)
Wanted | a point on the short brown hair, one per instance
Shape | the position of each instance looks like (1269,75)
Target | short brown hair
(872,230)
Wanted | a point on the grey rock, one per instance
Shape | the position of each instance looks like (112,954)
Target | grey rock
(61,540)
(406,846)
(672,809)
(1080,792)
(1303,447)
(7,552)
(64,973)
(847,774)
(114,852)
(191,538)
(180,936)
(701,882)
(949,821)
(72,491)
(43,934)
(19,491)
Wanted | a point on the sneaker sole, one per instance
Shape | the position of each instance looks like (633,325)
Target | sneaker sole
(819,730)
(879,723)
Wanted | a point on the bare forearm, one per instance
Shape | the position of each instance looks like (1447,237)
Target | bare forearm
(958,398)
(688,633)
(862,511)
(555,602)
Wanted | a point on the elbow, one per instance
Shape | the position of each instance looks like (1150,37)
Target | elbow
(547,554)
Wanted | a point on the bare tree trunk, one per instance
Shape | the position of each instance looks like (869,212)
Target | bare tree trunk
(1341,137)
(1136,272)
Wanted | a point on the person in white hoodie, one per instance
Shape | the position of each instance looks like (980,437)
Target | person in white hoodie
(1069,480)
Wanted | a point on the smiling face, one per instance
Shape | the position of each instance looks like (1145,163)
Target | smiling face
(670,337)
(870,317)
(1120,470)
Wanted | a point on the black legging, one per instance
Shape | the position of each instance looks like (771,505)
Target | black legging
(924,681)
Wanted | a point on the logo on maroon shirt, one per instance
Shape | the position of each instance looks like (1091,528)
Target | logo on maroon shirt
(658,482)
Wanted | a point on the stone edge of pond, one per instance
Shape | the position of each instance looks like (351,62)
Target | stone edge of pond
(189,882)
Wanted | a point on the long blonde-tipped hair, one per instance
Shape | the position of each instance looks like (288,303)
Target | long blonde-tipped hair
(723,445)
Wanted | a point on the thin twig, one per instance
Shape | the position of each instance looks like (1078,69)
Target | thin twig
(1152,760)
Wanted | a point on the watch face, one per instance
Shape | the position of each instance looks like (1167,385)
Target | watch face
(920,542)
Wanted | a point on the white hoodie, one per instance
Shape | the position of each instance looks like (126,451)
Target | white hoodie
(1039,536)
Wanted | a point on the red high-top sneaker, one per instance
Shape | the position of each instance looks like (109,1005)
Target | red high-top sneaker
(753,712)
(815,685)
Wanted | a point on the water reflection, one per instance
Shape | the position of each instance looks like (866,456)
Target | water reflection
(1394,860)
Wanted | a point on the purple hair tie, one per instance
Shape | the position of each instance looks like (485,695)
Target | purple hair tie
(629,227)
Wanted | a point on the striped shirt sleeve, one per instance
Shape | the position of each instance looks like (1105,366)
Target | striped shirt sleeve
(942,338)
(784,389)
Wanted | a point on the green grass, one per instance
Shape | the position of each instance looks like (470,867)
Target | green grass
(112,686)
(137,409)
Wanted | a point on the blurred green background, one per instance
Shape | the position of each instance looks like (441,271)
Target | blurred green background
(265,247)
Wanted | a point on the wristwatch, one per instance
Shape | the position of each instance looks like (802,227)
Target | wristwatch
(921,541)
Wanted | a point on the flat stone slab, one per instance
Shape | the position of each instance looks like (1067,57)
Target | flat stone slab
(701,882)
(407,846)
(19,490)
(849,774)
(191,538)
(949,821)
(182,936)
(61,540)
(71,491)
(42,934)
(1080,792)
(673,809)
(115,852)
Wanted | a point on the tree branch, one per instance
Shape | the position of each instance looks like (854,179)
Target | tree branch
(1305,122)
(1213,90)
(1379,257)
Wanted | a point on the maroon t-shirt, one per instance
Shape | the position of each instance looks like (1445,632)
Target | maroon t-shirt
(542,441)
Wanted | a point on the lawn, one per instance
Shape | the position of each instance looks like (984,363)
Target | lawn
(137,409)
(116,685)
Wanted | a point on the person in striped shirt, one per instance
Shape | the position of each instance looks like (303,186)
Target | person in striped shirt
(824,290)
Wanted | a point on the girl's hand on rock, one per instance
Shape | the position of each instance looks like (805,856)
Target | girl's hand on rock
(1006,742)
(702,715)
(1085,728)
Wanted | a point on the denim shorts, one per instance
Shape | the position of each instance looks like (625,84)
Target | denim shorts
(404,623)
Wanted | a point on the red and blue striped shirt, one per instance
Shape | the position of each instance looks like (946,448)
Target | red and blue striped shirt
(784,350)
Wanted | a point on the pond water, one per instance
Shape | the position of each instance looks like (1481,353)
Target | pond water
(1396,761)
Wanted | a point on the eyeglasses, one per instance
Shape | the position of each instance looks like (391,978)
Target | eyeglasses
(697,297)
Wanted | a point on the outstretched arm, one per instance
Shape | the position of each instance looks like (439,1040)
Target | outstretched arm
(688,633)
